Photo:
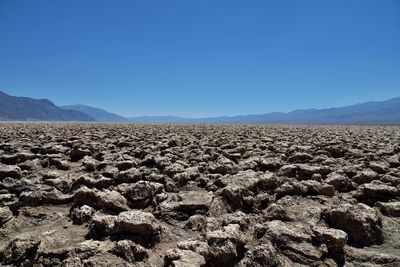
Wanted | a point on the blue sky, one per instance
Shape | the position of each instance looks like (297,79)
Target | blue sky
(201,58)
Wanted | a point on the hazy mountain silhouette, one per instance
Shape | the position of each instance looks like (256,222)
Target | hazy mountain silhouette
(160,119)
(97,113)
(382,112)
(29,109)
(375,112)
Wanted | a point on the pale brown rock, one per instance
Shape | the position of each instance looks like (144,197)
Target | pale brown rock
(99,194)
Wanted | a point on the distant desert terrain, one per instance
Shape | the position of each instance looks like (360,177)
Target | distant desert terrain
(98,194)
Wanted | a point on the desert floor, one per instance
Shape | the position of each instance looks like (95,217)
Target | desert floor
(87,194)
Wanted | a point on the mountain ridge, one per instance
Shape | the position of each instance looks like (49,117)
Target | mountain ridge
(371,112)
(98,114)
(29,109)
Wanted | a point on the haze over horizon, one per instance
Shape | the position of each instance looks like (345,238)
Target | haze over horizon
(201,59)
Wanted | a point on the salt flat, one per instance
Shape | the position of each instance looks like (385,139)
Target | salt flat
(97,194)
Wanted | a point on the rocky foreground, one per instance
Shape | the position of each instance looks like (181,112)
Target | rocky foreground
(199,195)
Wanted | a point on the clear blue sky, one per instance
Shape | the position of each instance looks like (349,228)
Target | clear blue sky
(201,58)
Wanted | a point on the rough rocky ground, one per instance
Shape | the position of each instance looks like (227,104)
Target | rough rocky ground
(199,195)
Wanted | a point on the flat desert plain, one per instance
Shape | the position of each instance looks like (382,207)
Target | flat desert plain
(97,194)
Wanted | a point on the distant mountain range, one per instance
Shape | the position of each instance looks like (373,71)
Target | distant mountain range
(160,119)
(97,113)
(383,112)
(28,109)
(24,108)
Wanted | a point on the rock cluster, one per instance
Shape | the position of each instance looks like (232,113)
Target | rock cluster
(199,195)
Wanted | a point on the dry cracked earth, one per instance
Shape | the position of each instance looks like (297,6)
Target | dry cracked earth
(199,195)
